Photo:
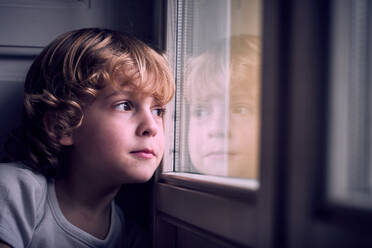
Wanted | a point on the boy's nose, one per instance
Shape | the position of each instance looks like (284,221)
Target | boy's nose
(219,124)
(147,125)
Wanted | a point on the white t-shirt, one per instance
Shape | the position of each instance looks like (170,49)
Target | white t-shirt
(30,215)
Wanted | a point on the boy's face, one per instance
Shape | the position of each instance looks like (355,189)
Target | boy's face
(121,137)
(227,126)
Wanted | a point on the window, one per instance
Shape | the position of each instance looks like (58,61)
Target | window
(216,52)
(350,177)
(313,98)
(213,156)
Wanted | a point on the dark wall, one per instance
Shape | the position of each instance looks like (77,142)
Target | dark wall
(136,18)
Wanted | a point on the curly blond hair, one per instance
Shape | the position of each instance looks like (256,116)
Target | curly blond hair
(67,76)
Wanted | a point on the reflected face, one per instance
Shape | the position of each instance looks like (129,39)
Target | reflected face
(223,133)
(244,126)
(208,132)
(223,89)
(121,137)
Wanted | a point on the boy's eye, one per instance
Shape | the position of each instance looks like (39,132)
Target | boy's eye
(158,111)
(241,109)
(200,111)
(124,106)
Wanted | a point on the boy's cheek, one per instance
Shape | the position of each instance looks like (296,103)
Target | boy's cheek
(162,144)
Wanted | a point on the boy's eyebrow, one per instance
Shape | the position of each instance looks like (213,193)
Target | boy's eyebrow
(127,93)
(111,94)
(115,93)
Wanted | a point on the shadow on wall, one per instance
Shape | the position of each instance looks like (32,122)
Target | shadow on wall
(11,98)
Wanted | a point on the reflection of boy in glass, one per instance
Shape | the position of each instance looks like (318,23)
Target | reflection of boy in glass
(224,127)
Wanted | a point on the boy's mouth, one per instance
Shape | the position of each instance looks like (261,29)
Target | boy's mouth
(144,153)
(220,153)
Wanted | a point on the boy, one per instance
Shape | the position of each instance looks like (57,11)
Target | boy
(93,120)
(222,90)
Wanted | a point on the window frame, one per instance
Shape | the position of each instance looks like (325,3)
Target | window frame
(290,208)
(313,219)
(166,172)
(246,231)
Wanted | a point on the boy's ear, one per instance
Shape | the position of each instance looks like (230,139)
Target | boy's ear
(49,125)
(66,140)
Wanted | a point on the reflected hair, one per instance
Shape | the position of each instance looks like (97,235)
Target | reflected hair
(236,60)
(67,76)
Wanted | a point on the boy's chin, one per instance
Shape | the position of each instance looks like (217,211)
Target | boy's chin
(140,178)
(143,179)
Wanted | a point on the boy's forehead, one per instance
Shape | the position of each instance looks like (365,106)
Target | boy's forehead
(111,91)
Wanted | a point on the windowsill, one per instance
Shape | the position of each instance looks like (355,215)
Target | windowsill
(248,184)
(245,189)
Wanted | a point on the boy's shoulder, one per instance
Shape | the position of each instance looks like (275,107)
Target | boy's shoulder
(20,184)
(22,197)
(18,172)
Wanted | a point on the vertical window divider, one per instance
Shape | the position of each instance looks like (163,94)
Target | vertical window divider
(178,77)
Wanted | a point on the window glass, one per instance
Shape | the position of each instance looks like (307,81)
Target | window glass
(350,160)
(218,75)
